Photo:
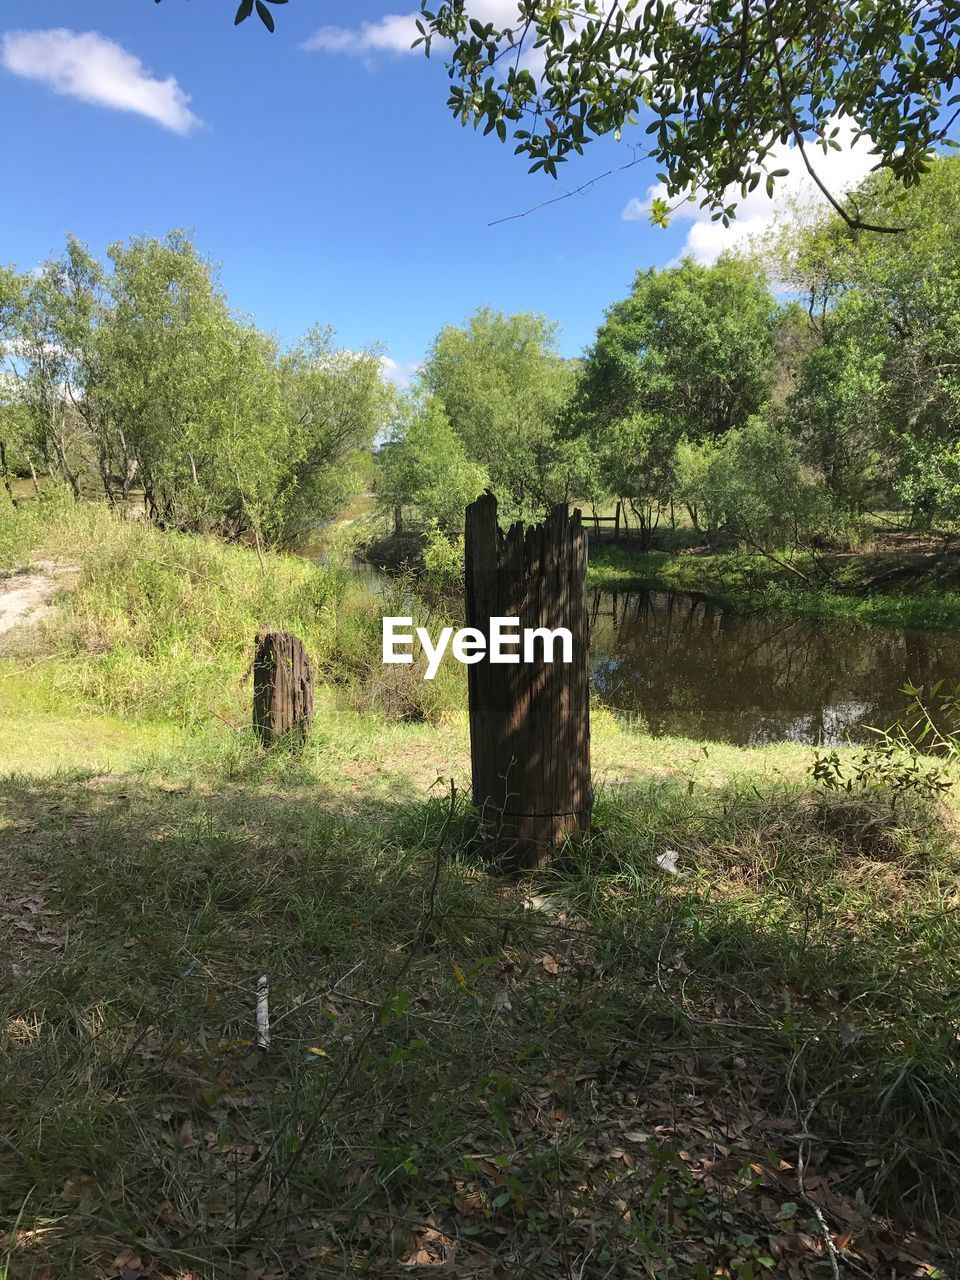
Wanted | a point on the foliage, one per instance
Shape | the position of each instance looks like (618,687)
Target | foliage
(878,401)
(138,378)
(838,405)
(443,558)
(690,349)
(783,74)
(910,756)
(189,390)
(756,485)
(335,404)
(424,466)
(684,359)
(883,769)
(47,321)
(502,386)
(754,581)
(555,76)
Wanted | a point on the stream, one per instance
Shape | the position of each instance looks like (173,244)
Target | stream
(696,669)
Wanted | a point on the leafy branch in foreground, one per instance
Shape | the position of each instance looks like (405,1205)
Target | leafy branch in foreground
(719,85)
(784,72)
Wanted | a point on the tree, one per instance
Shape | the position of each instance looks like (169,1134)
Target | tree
(878,401)
(718,84)
(48,321)
(139,373)
(424,465)
(691,347)
(336,404)
(839,408)
(13,413)
(755,485)
(502,385)
(686,357)
(189,397)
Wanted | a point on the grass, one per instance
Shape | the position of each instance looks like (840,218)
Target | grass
(619,1077)
(161,625)
(754,583)
(746,1068)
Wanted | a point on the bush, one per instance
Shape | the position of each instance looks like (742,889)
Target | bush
(754,484)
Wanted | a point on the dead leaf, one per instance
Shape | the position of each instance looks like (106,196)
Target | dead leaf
(128,1265)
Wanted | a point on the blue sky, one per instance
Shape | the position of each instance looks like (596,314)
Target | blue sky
(330,181)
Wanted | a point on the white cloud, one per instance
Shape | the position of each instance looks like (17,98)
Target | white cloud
(90,67)
(20,348)
(396,32)
(706,240)
(399,374)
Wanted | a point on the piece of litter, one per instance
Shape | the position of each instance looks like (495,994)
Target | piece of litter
(538,902)
(263,1014)
(667,861)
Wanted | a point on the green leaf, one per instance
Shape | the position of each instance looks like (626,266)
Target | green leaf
(266,17)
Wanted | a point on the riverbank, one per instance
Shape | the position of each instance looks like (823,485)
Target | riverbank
(887,588)
(606,1070)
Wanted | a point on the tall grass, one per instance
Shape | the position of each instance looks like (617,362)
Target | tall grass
(161,624)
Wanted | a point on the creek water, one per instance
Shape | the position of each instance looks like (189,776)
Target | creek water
(693,668)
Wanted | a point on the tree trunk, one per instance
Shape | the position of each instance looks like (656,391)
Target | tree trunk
(529,721)
(5,471)
(282,689)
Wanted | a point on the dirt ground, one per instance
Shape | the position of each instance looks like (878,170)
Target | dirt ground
(26,596)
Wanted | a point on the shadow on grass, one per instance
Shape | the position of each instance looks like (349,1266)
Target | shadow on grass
(603,1072)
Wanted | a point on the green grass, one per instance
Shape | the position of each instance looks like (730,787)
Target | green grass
(161,625)
(41,731)
(601,1070)
(753,583)
(444,1063)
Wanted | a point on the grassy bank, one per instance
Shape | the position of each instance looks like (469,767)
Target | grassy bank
(754,583)
(746,1068)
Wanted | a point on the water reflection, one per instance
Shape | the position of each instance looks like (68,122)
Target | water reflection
(693,668)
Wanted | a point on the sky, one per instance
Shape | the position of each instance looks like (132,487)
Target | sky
(320,168)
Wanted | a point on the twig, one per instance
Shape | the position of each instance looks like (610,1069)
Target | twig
(802,1155)
(567,195)
(263,1013)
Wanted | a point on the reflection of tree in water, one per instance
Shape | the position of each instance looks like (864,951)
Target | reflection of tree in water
(691,667)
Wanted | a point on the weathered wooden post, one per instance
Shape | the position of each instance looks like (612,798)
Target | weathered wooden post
(529,721)
(282,689)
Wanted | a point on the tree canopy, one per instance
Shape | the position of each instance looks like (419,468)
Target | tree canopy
(135,374)
(717,85)
(502,385)
(877,406)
